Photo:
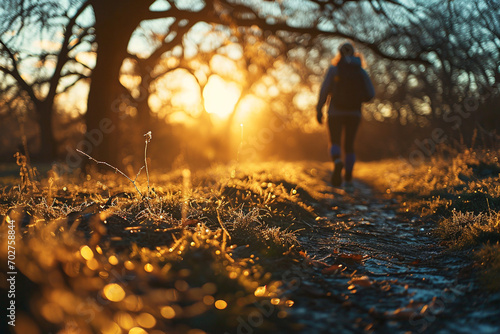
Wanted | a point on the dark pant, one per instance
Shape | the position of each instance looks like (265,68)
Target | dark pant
(349,125)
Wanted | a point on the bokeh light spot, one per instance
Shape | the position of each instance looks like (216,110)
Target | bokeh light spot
(129,265)
(112,328)
(93,264)
(260,291)
(114,292)
(133,303)
(86,252)
(146,320)
(167,312)
(181,285)
(113,260)
(137,330)
(220,304)
(125,320)
(208,300)
(52,312)
(148,267)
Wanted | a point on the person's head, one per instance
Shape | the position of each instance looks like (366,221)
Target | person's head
(347,49)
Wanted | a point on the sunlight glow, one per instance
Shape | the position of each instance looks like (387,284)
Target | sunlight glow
(176,95)
(220,96)
(248,106)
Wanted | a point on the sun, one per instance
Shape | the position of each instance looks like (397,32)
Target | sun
(220,96)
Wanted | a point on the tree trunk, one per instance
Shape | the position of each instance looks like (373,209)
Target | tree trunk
(115,22)
(144,118)
(48,147)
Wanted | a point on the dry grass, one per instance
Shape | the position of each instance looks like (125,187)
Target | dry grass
(488,258)
(93,255)
(467,229)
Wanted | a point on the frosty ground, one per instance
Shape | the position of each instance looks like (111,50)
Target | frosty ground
(256,248)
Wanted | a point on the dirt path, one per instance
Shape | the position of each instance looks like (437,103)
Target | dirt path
(369,269)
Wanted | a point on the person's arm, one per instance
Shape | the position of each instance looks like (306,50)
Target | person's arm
(370,91)
(325,91)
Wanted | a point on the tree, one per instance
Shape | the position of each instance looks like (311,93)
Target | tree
(55,65)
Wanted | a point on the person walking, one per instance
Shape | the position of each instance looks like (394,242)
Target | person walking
(348,86)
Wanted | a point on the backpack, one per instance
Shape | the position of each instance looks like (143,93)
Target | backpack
(349,88)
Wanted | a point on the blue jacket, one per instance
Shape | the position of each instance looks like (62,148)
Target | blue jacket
(327,88)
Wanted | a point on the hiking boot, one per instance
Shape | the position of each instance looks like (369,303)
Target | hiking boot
(348,176)
(337,173)
(349,186)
